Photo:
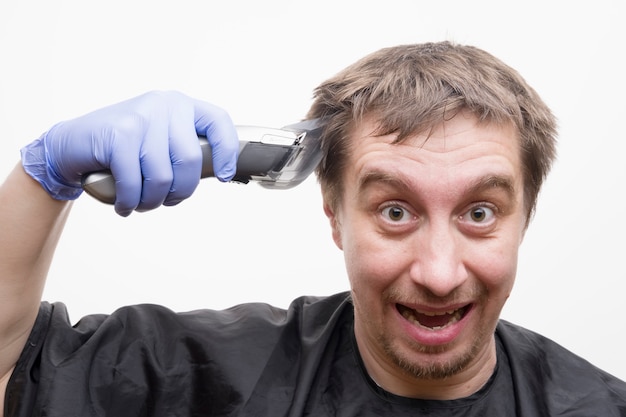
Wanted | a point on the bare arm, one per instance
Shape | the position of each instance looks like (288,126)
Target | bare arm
(31,223)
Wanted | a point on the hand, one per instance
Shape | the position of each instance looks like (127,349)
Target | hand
(149,143)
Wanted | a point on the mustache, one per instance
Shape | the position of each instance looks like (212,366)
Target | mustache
(422,295)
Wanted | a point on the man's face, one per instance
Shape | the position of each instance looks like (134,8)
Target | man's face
(430,230)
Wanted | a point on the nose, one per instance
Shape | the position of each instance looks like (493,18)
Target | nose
(438,259)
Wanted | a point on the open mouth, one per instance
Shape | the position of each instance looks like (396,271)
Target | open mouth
(430,320)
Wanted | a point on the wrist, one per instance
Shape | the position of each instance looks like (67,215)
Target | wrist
(36,164)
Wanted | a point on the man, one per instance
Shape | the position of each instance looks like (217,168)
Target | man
(433,157)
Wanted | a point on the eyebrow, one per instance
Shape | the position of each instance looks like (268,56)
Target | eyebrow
(494,181)
(374,177)
(481,184)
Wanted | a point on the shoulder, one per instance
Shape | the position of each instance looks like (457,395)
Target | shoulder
(548,373)
(149,320)
(240,324)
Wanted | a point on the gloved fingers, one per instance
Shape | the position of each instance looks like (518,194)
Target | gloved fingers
(215,123)
(156,164)
(126,170)
(185,155)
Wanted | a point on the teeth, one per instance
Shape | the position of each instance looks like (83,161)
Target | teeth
(411,315)
(438,314)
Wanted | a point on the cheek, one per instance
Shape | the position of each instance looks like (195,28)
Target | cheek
(369,263)
(496,266)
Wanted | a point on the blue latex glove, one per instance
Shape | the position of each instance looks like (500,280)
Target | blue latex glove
(149,143)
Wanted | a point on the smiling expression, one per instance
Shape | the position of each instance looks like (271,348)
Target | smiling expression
(430,229)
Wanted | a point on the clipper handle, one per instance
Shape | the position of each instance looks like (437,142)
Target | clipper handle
(255,160)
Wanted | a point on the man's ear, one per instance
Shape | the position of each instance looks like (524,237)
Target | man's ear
(334,224)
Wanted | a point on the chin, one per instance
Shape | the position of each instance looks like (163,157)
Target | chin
(436,362)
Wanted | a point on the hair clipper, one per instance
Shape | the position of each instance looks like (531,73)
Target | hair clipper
(274,158)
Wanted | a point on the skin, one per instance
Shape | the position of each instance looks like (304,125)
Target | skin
(431,225)
(28,241)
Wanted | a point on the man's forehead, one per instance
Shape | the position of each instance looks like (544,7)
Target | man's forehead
(372,126)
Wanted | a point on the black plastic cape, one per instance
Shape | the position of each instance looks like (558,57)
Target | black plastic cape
(257,360)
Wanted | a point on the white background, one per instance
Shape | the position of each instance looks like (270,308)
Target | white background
(260,60)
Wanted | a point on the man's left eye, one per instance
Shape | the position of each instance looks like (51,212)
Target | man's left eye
(480,214)
(395,213)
